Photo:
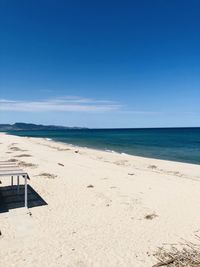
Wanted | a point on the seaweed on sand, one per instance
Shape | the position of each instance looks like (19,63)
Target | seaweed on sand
(186,255)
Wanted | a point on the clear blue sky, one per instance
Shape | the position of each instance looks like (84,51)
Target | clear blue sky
(100,63)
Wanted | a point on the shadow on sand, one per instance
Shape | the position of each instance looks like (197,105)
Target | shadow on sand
(9,199)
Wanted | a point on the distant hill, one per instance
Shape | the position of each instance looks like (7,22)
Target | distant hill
(20,126)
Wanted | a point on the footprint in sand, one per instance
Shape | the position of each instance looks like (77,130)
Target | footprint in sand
(121,163)
(12,160)
(14,148)
(47,175)
(102,199)
(26,164)
(152,167)
(23,156)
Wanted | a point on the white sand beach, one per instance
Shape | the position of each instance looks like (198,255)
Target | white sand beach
(103,209)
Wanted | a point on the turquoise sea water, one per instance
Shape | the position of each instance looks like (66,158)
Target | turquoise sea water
(178,144)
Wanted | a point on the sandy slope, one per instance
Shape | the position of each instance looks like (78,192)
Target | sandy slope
(103,225)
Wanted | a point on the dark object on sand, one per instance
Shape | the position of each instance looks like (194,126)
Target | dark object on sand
(60,164)
(90,186)
(150,216)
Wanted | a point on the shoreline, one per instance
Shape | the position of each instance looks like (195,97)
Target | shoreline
(102,209)
(105,150)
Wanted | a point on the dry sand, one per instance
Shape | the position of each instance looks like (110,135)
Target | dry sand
(104,209)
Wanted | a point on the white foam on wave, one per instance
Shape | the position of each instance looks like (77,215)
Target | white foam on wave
(111,151)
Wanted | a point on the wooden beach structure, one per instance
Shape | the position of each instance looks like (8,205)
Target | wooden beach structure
(11,170)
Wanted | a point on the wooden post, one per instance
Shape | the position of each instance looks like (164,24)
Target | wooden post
(11,180)
(17,184)
(25,193)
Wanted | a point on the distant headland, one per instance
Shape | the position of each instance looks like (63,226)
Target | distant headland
(20,126)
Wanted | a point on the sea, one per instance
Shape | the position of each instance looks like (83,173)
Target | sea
(175,144)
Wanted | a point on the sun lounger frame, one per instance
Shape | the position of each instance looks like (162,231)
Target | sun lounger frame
(12,170)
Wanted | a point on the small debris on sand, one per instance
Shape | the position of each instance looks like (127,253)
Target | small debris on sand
(131,173)
(90,186)
(150,216)
(60,164)
(76,151)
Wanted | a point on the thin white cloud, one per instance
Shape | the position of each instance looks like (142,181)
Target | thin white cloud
(70,104)
(65,104)
(139,112)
